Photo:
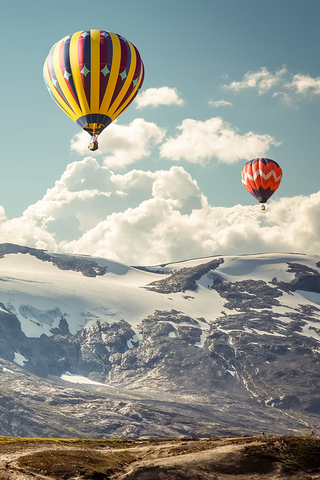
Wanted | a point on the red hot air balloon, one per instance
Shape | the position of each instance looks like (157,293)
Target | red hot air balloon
(261,177)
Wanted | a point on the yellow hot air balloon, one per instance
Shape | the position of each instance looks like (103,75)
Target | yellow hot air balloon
(93,76)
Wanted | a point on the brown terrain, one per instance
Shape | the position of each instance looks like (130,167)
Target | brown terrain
(172,459)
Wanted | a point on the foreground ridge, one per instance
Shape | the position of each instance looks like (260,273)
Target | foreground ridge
(147,459)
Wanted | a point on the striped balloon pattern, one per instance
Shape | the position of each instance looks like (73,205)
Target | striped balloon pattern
(261,177)
(93,76)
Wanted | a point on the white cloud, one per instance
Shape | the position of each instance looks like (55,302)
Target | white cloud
(290,88)
(158,96)
(155,232)
(178,187)
(262,80)
(304,84)
(163,217)
(286,99)
(219,103)
(88,193)
(199,141)
(123,144)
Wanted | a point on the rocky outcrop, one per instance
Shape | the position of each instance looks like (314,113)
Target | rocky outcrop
(184,279)
(87,267)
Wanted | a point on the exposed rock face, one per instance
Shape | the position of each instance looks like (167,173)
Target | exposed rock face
(231,353)
(184,279)
(87,267)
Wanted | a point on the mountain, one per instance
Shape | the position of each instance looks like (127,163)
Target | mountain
(222,345)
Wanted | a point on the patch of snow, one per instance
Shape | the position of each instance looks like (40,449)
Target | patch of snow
(69,377)
(251,331)
(307,331)
(138,335)
(19,359)
(40,316)
(203,338)
(310,296)
(7,370)
(262,267)
(172,267)
(292,301)
(263,332)
(172,334)
(83,301)
(284,319)
(207,280)
(134,339)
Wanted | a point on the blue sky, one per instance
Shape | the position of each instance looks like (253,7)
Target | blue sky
(260,58)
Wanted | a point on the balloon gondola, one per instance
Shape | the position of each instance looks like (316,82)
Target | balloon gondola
(93,76)
(261,177)
(93,145)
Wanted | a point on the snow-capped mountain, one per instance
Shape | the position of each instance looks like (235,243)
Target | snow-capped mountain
(217,345)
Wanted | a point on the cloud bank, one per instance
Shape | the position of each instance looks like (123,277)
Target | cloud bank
(155,217)
(198,142)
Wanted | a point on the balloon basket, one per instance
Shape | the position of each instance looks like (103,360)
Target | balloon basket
(93,146)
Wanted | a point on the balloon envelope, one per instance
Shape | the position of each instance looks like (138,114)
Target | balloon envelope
(261,177)
(93,76)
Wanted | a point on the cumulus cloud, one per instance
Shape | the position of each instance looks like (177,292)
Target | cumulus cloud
(158,96)
(88,193)
(219,103)
(304,84)
(199,141)
(123,144)
(162,234)
(156,217)
(263,80)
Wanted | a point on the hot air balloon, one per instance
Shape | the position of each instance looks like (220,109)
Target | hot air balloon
(93,76)
(261,177)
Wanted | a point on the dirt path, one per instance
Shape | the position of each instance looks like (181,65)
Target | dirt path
(209,462)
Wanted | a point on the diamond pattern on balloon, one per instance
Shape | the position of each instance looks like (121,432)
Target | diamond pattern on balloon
(105,71)
(67,75)
(123,74)
(85,71)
